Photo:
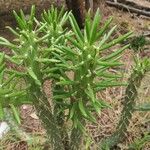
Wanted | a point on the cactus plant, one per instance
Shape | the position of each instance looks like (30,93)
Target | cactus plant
(142,66)
(47,50)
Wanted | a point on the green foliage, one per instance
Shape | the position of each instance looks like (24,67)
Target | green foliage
(143,107)
(29,51)
(47,50)
(140,143)
(138,43)
(142,66)
(83,52)
(9,94)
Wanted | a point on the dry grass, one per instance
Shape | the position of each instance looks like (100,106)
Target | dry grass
(108,118)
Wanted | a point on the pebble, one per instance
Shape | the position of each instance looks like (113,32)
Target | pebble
(4,128)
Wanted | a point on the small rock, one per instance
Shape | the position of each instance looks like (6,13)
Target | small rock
(4,128)
(34,116)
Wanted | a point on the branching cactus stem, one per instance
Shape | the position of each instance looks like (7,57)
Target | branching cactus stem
(131,93)
(49,121)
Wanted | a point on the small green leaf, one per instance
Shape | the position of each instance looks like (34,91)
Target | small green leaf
(63,95)
(97,107)
(15,94)
(75,121)
(106,37)
(42,26)
(61,13)
(72,111)
(108,75)
(46,60)
(3,92)
(1,112)
(115,41)
(22,16)
(2,67)
(33,75)
(69,51)
(109,84)
(76,29)
(104,29)
(75,43)
(19,21)
(15,113)
(82,107)
(31,19)
(87,27)
(8,80)
(81,127)
(95,24)
(91,117)
(103,104)
(4,40)
(90,93)
(114,54)
(60,58)
(12,30)
(2,55)
(143,107)
(1,77)
(64,18)
(66,82)
(108,64)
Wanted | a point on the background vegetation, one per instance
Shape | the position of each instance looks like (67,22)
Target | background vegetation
(74,86)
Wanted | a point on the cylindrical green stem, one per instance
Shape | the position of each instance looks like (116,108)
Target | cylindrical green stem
(60,118)
(76,138)
(49,122)
(128,107)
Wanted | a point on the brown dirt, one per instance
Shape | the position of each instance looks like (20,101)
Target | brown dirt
(108,119)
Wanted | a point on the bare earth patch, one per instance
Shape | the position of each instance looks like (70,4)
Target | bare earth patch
(109,118)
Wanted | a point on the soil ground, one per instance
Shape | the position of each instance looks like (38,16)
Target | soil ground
(108,119)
